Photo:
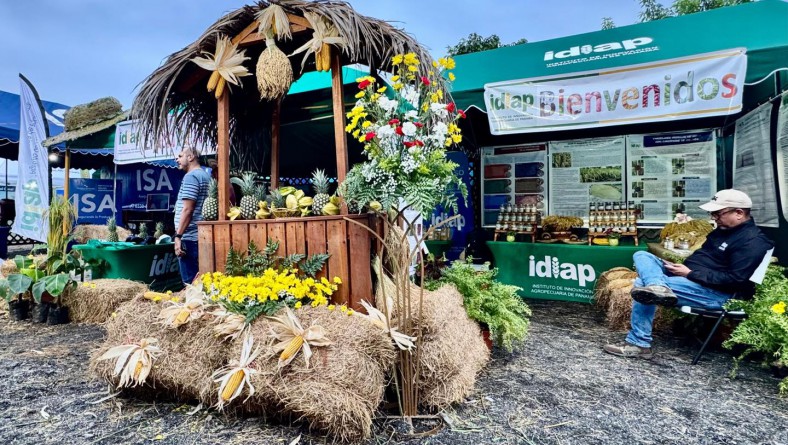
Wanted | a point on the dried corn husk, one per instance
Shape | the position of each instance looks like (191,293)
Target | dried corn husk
(273,20)
(324,35)
(176,314)
(228,324)
(223,375)
(555,223)
(227,61)
(274,72)
(379,319)
(286,327)
(134,361)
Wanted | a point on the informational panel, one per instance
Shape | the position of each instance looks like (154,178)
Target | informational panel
(753,171)
(670,173)
(584,171)
(462,226)
(513,175)
(782,152)
(129,151)
(137,181)
(93,199)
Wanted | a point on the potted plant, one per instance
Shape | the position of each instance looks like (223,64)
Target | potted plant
(14,289)
(613,237)
(496,306)
(511,236)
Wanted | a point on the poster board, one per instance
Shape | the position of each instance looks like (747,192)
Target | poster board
(513,175)
(782,152)
(753,170)
(671,172)
(584,171)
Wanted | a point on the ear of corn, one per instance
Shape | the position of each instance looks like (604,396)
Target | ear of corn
(292,348)
(155,296)
(325,55)
(182,316)
(220,87)
(137,370)
(213,81)
(232,385)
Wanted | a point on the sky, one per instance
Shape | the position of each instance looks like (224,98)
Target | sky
(76,51)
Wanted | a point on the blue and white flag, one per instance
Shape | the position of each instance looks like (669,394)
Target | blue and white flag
(32,189)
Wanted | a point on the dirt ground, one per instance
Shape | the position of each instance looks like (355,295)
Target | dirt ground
(559,389)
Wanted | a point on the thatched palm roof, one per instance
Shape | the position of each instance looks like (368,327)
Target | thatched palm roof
(179,84)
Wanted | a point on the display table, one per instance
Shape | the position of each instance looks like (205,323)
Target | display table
(155,265)
(557,271)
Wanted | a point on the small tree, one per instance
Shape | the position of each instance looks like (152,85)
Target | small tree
(653,10)
(607,23)
(475,43)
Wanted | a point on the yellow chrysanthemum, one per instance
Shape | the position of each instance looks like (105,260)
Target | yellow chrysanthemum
(779,308)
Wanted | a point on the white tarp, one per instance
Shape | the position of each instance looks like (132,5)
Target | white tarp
(708,84)
(127,150)
(32,188)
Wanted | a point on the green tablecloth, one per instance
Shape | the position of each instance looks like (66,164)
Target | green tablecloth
(438,247)
(155,265)
(557,271)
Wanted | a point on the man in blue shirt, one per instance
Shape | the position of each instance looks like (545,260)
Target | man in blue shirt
(188,210)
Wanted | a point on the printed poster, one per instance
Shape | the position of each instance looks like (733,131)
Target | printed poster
(513,175)
(753,171)
(585,171)
(671,173)
(782,152)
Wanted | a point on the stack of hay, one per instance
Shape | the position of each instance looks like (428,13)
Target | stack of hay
(85,232)
(611,294)
(95,301)
(337,394)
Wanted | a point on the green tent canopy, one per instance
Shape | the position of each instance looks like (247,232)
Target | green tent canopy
(760,27)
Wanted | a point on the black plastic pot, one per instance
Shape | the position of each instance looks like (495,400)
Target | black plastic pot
(41,312)
(57,315)
(19,309)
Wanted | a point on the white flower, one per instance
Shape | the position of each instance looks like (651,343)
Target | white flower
(411,115)
(409,129)
(439,109)
(387,104)
(385,131)
(411,94)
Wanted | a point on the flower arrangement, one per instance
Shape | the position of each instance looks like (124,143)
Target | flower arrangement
(254,295)
(405,136)
(765,329)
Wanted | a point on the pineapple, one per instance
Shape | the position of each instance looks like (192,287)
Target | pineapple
(210,207)
(143,230)
(276,199)
(159,230)
(320,185)
(249,201)
(112,228)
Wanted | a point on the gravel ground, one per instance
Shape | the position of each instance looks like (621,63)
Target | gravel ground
(559,389)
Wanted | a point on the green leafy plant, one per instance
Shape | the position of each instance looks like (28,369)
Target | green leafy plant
(489,302)
(765,329)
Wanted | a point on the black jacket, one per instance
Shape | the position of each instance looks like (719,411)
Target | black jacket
(728,258)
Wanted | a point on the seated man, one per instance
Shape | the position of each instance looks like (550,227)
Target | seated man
(708,278)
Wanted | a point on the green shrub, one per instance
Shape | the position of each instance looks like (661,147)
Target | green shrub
(765,329)
(491,303)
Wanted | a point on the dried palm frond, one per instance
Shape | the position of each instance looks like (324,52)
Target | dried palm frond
(134,361)
(379,319)
(234,377)
(177,314)
(274,19)
(226,64)
(294,338)
(228,324)
(324,34)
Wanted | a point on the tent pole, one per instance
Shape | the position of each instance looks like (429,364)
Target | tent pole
(6,178)
(338,100)
(223,152)
(115,193)
(275,144)
(65,187)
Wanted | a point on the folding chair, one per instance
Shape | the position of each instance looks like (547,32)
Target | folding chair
(721,314)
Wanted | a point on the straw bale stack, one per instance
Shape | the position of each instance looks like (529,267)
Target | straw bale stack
(95,301)
(85,232)
(611,294)
(91,113)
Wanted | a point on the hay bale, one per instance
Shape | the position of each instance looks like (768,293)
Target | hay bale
(91,113)
(619,311)
(8,267)
(95,301)
(85,232)
(340,391)
(603,287)
(190,354)
(452,349)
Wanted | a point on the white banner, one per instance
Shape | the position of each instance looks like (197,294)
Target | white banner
(708,84)
(127,151)
(32,188)
(752,164)
(782,153)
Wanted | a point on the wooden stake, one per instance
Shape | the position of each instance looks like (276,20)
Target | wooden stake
(223,153)
(275,144)
(338,99)
(66,188)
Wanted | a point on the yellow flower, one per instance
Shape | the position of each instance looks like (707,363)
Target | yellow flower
(434,63)
(452,77)
(382,89)
(298,305)
(360,94)
(396,60)
(394,78)
(365,124)
(337,280)
(779,308)
(397,86)
(331,307)
(411,59)
(343,308)
(413,68)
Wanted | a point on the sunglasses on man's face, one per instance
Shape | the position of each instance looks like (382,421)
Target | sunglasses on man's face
(720,213)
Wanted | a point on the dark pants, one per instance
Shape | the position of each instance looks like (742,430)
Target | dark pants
(188,262)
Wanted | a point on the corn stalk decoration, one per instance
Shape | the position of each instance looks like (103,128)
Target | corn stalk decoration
(324,35)
(234,377)
(226,63)
(293,338)
(133,362)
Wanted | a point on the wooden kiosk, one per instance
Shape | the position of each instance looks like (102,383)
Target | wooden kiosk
(234,121)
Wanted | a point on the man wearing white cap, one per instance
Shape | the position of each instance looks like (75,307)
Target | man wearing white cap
(708,278)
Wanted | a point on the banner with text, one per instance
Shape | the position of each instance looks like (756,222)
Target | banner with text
(93,199)
(32,187)
(127,150)
(782,153)
(708,84)
(136,182)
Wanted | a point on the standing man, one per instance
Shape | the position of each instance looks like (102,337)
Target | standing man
(710,276)
(188,210)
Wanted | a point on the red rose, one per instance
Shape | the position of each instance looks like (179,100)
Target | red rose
(461,113)
(418,124)
(363,84)
(450,108)
(419,143)
(425,81)
(369,136)
(394,122)
(398,130)
(409,144)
